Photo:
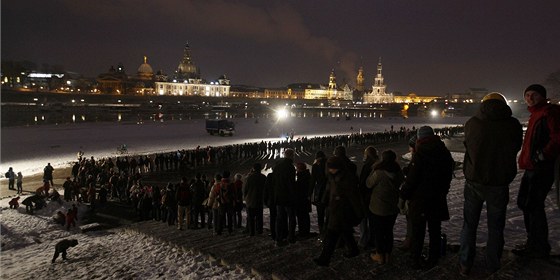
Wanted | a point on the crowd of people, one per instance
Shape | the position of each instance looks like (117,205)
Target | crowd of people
(343,197)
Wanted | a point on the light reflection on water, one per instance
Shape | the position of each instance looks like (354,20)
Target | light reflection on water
(26,118)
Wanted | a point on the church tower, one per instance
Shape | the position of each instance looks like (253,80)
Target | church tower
(332,81)
(378,93)
(360,80)
(378,85)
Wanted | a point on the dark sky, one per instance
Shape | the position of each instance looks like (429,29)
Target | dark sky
(428,47)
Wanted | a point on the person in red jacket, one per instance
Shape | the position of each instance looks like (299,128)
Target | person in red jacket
(540,149)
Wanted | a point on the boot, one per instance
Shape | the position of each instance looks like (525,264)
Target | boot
(378,258)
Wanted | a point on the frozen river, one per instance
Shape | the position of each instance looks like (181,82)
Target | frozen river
(29,148)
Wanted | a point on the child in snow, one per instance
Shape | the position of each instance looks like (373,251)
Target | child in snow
(14,203)
(62,246)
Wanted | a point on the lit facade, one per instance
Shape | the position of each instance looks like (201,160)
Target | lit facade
(378,93)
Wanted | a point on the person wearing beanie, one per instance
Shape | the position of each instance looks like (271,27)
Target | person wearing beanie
(492,139)
(426,186)
(340,152)
(253,194)
(540,150)
(345,210)
(319,185)
(424,131)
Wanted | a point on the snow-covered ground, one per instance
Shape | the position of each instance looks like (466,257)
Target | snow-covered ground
(28,240)
(29,149)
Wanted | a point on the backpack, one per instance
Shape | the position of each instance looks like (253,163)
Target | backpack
(7,174)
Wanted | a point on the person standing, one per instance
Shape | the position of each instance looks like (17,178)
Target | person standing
(426,186)
(319,183)
(492,139)
(11,178)
(184,201)
(541,147)
(284,184)
(48,174)
(302,204)
(367,237)
(19,183)
(384,182)
(253,194)
(343,201)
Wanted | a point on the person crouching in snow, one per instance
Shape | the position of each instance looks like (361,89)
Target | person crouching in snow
(71,218)
(59,218)
(62,246)
(14,203)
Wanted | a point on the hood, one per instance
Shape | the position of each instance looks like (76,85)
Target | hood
(494,110)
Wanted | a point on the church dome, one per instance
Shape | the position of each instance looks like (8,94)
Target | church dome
(145,68)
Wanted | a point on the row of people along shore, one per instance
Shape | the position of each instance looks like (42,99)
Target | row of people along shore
(344,198)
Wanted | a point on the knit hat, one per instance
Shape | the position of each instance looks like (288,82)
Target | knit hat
(494,96)
(537,88)
(320,154)
(335,163)
(424,132)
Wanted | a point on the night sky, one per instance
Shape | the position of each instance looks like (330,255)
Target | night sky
(428,47)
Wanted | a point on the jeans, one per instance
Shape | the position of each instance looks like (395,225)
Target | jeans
(533,191)
(497,198)
(255,220)
(184,212)
(418,234)
(383,227)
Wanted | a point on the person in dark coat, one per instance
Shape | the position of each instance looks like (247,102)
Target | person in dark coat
(269,202)
(62,246)
(253,194)
(541,148)
(302,203)
(492,139)
(199,194)
(67,186)
(319,183)
(343,204)
(367,236)
(426,186)
(14,203)
(284,185)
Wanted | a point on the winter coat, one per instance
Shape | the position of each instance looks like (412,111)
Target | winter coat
(284,182)
(492,139)
(428,180)
(365,191)
(269,191)
(213,201)
(542,137)
(302,188)
(184,195)
(345,207)
(253,190)
(318,180)
(198,192)
(384,187)
(64,244)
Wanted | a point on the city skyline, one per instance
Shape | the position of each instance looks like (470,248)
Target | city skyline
(426,48)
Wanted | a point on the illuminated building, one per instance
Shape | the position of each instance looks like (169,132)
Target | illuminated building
(187,82)
(378,93)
